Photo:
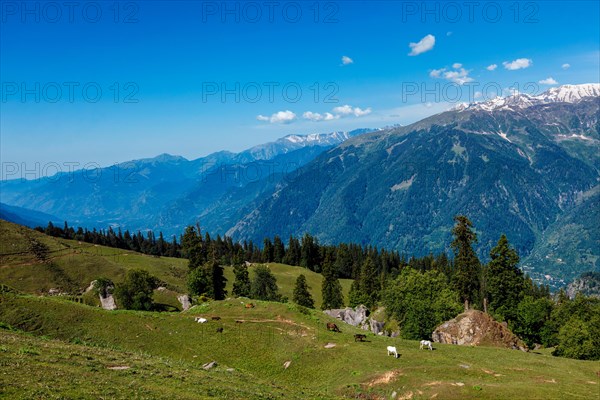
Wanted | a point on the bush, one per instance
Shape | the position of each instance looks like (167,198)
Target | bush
(135,293)
(420,302)
(577,341)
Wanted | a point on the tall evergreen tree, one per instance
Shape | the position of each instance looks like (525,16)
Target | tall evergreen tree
(504,281)
(292,255)
(366,288)
(467,266)
(218,280)
(278,250)
(264,285)
(302,295)
(241,285)
(331,290)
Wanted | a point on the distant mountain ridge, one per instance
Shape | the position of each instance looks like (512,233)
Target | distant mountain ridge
(168,192)
(562,94)
(514,170)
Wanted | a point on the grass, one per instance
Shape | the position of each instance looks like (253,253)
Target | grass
(80,263)
(53,348)
(274,333)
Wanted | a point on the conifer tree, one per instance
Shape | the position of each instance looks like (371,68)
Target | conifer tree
(241,285)
(467,266)
(504,283)
(302,295)
(331,289)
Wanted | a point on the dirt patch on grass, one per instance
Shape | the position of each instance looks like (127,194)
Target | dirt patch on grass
(385,378)
(118,367)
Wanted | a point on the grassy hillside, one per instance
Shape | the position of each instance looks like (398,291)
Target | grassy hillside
(56,348)
(73,265)
(164,348)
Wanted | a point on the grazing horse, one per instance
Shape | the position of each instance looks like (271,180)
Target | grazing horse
(425,343)
(359,337)
(219,330)
(200,320)
(249,305)
(215,318)
(391,350)
(333,327)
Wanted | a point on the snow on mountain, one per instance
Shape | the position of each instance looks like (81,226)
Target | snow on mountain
(290,143)
(561,94)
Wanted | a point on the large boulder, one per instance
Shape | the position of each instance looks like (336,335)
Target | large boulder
(186,301)
(477,328)
(105,294)
(354,317)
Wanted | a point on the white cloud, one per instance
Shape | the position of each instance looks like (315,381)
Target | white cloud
(338,112)
(422,46)
(436,73)
(459,75)
(477,95)
(347,110)
(449,33)
(492,67)
(312,116)
(548,81)
(347,60)
(566,66)
(520,63)
(281,117)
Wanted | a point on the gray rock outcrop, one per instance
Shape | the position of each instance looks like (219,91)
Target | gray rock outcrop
(186,301)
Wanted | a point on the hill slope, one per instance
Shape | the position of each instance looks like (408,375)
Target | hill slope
(160,347)
(72,265)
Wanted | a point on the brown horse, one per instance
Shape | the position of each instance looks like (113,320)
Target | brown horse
(249,305)
(359,337)
(333,327)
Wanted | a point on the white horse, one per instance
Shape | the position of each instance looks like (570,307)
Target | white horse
(425,343)
(391,350)
(200,320)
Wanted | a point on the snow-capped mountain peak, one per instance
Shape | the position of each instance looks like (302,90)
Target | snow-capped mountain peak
(560,94)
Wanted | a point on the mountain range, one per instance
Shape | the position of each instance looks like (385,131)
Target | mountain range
(524,165)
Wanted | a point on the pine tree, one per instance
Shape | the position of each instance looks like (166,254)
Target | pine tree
(292,255)
(302,295)
(264,285)
(331,290)
(218,280)
(241,285)
(267,255)
(504,283)
(278,250)
(467,265)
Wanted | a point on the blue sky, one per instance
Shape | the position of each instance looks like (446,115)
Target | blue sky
(169,62)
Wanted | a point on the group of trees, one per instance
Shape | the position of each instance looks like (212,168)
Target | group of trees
(146,244)
(345,258)
(419,293)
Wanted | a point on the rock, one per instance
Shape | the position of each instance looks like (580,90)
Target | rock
(354,317)
(477,328)
(186,301)
(395,334)
(161,288)
(108,302)
(286,364)
(210,365)
(376,326)
(330,345)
